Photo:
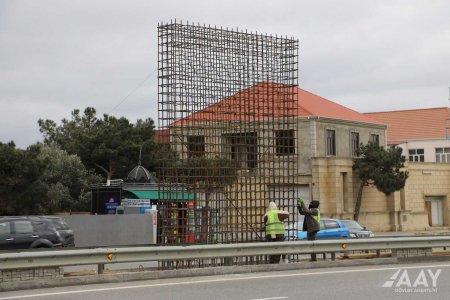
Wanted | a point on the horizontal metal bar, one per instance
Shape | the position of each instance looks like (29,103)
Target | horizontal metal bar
(49,258)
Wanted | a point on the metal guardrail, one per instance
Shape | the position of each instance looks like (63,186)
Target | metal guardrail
(100,256)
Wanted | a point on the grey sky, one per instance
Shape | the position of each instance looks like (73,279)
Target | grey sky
(58,55)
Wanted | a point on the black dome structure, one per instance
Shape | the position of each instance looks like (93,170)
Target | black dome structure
(140,174)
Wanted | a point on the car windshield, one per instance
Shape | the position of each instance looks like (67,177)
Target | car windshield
(350,224)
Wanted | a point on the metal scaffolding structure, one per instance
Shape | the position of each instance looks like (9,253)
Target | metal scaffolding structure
(227,107)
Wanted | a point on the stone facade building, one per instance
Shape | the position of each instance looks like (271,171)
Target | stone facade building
(321,145)
(423,134)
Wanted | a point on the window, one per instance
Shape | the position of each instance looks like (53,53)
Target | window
(5,228)
(354,143)
(196,145)
(23,227)
(243,148)
(330,224)
(284,142)
(416,155)
(375,138)
(442,155)
(331,142)
(42,225)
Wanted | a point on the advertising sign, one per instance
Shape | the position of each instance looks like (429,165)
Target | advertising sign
(111,203)
(137,202)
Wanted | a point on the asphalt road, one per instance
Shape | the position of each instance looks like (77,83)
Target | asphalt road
(409,281)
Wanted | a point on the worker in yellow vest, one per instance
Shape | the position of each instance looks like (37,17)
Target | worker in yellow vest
(311,223)
(274,227)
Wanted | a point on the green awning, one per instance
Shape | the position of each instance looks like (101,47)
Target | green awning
(143,194)
(155,195)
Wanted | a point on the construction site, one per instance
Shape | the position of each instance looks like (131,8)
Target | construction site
(227,105)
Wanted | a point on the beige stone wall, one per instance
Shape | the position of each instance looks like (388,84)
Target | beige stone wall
(333,181)
(329,185)
(425,180)
(336,187)
(343,130)
(306,147)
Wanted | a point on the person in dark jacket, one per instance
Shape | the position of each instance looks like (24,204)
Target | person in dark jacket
(311,223)
(274,227)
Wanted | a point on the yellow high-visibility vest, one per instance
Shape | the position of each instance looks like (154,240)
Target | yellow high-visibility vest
(317,218)
(273,224)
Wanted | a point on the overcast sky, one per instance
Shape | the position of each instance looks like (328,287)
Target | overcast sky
(57,55)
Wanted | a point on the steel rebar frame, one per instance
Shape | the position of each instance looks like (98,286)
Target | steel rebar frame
(227,106)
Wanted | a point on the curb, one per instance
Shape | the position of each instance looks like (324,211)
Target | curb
(210,271)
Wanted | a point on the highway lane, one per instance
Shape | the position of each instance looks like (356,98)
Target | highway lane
(408,281)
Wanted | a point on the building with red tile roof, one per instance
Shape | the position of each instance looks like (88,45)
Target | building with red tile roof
(329,175)
(269,101)
(423,134)
(272,125)
(414,124)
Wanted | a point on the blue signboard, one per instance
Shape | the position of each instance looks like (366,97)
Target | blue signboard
(111,203)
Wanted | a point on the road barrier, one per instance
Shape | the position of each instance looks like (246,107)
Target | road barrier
(100,256)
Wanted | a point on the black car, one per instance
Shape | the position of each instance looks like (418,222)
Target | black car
(64,230)
(28,232)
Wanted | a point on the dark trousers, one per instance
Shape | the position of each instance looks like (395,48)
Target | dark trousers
(275,259)
(311,236)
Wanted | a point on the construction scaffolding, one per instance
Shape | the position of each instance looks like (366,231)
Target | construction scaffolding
(227,107)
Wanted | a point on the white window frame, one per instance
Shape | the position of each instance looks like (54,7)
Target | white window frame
(415,156)
(442,154)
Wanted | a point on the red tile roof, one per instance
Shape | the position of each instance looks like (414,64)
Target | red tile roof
(161,136)
(416,124)
(268,101)
(315,105)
